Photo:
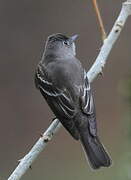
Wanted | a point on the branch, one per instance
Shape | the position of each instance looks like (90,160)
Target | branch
(100,22)
(110,41)
(96,69)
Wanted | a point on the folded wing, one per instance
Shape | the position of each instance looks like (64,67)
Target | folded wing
(59,100)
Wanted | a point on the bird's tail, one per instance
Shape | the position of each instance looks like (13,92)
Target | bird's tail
(95,151)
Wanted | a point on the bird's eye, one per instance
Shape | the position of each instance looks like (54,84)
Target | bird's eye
(66,43)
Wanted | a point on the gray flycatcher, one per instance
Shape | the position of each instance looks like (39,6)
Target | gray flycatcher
(64,84)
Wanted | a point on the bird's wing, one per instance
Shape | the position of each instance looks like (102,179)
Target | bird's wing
(60,101)
(88,106)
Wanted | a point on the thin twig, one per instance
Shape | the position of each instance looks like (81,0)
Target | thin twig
(100,21)
(109,42)
(96,69)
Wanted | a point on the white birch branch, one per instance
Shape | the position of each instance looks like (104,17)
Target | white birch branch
(96,69)
(110,41)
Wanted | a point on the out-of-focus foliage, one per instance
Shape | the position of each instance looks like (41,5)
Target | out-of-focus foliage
(123,170)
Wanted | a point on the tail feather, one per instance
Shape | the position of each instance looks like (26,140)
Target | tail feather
(95,151)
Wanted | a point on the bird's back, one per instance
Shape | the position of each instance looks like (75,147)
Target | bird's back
(66,74)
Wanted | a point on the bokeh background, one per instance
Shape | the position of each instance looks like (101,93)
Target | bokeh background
(24,114)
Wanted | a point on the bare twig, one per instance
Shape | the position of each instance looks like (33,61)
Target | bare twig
(96,69)
(98,14)
(25,163)
(110,41)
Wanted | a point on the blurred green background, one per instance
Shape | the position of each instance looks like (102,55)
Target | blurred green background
(24,27)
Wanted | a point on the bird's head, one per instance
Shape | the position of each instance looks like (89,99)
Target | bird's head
(61,45)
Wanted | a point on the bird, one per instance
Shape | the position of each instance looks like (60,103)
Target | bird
(63,82)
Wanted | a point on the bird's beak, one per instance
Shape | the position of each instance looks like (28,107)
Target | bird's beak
(74,37)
